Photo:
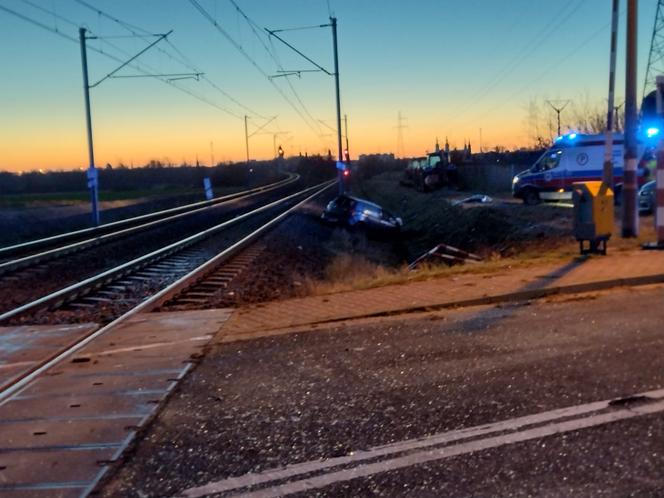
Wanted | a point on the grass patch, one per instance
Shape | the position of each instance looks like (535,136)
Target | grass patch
(431,219)
(353,272)
(83,196)
(507,235)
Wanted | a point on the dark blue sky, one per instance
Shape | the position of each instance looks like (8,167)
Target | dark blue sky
(450,67)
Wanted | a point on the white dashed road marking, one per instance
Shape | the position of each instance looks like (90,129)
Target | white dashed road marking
(321,473)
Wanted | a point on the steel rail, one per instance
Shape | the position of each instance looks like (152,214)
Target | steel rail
(31,260)
(89,284)
(37,243)
(16,385)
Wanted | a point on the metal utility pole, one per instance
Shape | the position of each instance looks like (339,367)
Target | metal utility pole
(346,135)
(607,172)
(333,25)
(630,220)
(92,170)
(211,153)
(246,136)
(333,21)
(558,109)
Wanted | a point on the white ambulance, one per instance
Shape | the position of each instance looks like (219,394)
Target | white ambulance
(573,158)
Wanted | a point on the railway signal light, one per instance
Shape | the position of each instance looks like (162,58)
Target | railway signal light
(281,152)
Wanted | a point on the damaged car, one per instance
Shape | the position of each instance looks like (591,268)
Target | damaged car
(354,212)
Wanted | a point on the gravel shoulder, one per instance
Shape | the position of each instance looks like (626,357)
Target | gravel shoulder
(301,253)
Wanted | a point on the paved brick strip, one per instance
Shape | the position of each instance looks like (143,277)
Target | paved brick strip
(595,273)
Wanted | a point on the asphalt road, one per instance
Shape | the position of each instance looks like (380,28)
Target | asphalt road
(335,397)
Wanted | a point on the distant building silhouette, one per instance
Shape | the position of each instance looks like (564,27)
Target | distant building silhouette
(385,156)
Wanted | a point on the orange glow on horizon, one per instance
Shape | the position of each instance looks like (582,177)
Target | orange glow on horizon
(136,146)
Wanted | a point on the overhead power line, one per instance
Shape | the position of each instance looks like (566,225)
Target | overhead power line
(180,58)
(258,31)
(138,68)
(550,67)
(242,51)
(51,13)
(127,62)
(119,60)
(37,23)
(528,49)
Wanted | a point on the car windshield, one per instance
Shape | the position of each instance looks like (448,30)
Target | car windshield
(549,160)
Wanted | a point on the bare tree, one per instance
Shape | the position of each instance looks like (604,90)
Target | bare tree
(537,124)
(589,115)
(584,115)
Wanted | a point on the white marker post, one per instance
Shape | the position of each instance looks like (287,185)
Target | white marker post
(207,185)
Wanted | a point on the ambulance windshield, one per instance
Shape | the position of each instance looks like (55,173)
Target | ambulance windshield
(549,160)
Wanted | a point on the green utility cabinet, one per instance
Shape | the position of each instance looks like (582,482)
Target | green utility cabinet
(593,215)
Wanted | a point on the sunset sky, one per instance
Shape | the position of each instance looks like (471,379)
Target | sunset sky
(450,66)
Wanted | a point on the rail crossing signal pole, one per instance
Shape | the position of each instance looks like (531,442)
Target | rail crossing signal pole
(274,140)
(92,170)
(630,220)
(607,171)
(347,151)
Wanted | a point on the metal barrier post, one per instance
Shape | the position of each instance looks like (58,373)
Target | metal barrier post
(659,184)
(658,208)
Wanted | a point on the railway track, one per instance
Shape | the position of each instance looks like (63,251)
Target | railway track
(68,411)
(130,282)
(87,259)
(37,252)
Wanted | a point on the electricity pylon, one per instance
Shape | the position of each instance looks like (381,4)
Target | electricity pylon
(656,57)
(400,127)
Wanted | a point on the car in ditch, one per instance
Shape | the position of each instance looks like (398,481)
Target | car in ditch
(351,211)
